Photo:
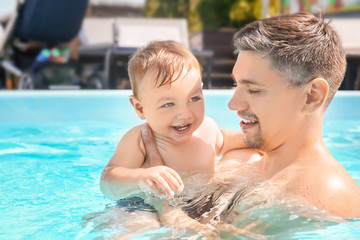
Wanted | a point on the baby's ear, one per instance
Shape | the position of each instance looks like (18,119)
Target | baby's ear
(137,106)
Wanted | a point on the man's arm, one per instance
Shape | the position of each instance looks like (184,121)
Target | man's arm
(153,156)
(232,140)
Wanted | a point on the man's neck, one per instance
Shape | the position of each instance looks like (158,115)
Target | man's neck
(301,150)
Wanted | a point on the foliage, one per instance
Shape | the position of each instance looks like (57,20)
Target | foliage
(175,9)
(244,11)
(215,14)
(210,14)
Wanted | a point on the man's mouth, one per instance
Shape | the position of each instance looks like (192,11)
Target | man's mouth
(246,124)
(248,121)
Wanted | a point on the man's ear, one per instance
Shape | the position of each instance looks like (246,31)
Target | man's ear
(137,106)
(316,93)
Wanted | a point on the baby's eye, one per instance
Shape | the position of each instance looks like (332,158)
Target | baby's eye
(170,104)
(195,99)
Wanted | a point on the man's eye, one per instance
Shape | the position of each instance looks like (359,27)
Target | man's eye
(168,105)
(253,91)
(234,83)
(195,99)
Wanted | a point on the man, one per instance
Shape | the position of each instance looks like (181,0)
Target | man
(287,72)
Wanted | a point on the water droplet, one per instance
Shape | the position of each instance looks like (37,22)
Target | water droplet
(293,217)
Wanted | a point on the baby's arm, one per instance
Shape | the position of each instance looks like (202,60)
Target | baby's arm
(124,175)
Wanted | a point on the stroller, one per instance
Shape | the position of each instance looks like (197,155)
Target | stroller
(35,50)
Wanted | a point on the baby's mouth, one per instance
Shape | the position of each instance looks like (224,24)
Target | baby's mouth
(181,128)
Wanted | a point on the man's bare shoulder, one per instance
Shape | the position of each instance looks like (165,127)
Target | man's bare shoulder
(328,187)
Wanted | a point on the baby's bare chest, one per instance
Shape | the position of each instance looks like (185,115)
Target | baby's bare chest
(189,157)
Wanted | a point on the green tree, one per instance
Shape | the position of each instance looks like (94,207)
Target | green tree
(210,14)
(244,11)
(175,9)
(214,14)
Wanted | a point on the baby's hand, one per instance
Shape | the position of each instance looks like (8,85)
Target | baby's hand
(161,180)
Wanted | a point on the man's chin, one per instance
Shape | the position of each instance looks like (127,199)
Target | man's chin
(254,143)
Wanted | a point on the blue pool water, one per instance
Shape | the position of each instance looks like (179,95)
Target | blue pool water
(54,145)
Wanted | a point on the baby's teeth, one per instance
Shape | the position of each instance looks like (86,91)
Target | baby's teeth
(183,127)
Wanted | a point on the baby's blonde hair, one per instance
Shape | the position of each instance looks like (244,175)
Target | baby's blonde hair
(166,60)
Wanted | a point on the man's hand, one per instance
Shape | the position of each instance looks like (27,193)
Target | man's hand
(152,154)
(161,180)
(158,179)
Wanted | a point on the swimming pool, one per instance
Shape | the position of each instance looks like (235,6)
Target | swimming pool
(54,145)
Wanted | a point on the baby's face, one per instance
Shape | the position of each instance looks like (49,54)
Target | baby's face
(174,111)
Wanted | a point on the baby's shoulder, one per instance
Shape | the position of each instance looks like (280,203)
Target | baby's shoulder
(133,136)
(209,122)
(208,129)
(134,132)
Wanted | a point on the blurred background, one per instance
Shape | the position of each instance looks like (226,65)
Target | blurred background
(85,44)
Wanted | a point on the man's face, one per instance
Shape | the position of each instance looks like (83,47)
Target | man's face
(269,108)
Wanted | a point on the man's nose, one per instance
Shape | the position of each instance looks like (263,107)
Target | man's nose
(237,102)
